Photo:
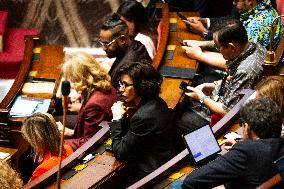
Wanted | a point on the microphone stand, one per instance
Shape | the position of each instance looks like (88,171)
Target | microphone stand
(65,88)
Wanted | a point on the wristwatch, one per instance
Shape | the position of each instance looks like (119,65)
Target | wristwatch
(202,99)
(205,35)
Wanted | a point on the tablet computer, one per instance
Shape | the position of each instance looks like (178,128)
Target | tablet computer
(202,145)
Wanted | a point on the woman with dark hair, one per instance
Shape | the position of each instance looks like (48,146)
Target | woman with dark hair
(134,15)
(144,140)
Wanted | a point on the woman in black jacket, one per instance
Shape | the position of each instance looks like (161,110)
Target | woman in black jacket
(141,128)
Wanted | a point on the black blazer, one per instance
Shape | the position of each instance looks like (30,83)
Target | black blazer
(247,165)
(145,141)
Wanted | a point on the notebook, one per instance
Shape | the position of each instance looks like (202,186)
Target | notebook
(202,145)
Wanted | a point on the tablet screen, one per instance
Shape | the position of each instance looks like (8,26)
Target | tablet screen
(201,143)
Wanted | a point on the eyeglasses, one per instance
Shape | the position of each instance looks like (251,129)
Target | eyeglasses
(123,85)
(108,44)
(217,47)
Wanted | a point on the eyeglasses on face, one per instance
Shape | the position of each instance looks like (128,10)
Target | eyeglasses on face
(123,85)
(108,44)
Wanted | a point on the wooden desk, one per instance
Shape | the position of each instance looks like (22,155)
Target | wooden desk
(170,91)
(98,171)
(10,151)
(47,65)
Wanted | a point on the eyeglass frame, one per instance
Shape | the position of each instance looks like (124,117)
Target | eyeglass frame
(123,85)
(108,44)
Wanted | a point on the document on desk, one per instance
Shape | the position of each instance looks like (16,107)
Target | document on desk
(4,155)
(38,87)
(25,106)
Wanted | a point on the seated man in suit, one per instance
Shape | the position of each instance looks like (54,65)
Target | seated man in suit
(249,163)
(115,40)
(244,70)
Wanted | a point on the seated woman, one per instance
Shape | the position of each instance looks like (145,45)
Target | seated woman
(9,178)
(41,132)
(134,15)
(97,95)
(271,87)
(141,129)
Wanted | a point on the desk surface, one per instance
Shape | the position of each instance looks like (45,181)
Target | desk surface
(46,65)
(10,151)
(170,91)
(97,171)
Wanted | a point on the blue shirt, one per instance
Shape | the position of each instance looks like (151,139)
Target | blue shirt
(257,22)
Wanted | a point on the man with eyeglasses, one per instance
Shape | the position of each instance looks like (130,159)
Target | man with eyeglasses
(116,42)
(248,163)
(244,69)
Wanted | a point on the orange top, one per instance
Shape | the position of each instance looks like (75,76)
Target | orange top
(49,162)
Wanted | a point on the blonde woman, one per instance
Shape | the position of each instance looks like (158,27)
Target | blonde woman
(41,132)
(97,96)
(9,178)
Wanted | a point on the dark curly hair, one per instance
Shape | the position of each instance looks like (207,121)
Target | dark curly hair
(146,79)
(263,116)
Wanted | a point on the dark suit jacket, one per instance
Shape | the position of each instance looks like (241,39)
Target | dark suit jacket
(247,165)
(92,113)
(144,142)
(135,52)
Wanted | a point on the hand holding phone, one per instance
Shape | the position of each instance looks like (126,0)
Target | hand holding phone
(180,41)
(181,16)
(183,86)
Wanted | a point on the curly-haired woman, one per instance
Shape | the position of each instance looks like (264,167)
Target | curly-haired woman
(97,96)
(41,132)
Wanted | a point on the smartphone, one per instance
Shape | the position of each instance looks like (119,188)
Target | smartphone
(181,16)
(183,86)
(180,41)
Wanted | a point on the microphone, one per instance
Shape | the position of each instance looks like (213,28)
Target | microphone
(65,90)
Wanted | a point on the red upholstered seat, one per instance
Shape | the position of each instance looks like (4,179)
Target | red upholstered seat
(3,23)
(13,49)
(13,52)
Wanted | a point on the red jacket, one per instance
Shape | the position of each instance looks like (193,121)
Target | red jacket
(91,114)
(49,162)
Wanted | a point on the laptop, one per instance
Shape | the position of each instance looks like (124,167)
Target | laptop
(202,145)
